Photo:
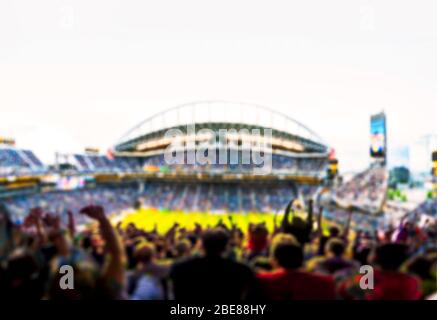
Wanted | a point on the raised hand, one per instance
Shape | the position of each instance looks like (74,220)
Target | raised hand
(52,220)
(94,212)
(71,223)
(34,217)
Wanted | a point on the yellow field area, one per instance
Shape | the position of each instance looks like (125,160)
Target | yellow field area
(146,219)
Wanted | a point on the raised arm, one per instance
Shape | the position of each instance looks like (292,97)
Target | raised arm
(115,267)
(71,224)
(35,218)
(276,228)
(286,219)
(310,216)
(319,222)
(232,222)
(348,224)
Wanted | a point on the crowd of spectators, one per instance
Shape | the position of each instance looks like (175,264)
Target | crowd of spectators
(190,197)
(17,162)
(295,261)
(240,163)
(114,199)
(366,190)
(428,207)
(216,197)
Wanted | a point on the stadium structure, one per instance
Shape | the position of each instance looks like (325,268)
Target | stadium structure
(231,131)
(136,169)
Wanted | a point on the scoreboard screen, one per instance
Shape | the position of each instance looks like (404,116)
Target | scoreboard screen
(378,136)
(71,183)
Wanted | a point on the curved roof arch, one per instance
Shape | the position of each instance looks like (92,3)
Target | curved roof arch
(221,112)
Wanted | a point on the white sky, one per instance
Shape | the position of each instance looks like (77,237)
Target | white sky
(81,73)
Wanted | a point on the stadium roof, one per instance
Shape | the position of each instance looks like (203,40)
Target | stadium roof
(221,112)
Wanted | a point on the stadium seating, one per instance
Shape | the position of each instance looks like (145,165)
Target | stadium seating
(99,163)
(366,190)
(280,163)
(14,161)
(113,199)
(428,207)
(188,197)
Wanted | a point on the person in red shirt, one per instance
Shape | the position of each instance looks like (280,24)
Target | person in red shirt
(389,282)
(258,241)
(288,282)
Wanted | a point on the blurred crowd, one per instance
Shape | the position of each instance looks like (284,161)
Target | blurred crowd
(115,199)
(203,197)
(366,190)
(428,207)
(236,163)
(19,162)
(218,197)
(298,260)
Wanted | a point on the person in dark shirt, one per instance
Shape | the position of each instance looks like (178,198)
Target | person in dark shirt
(301,229)
(334,260)
(334,232)
(211,277)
